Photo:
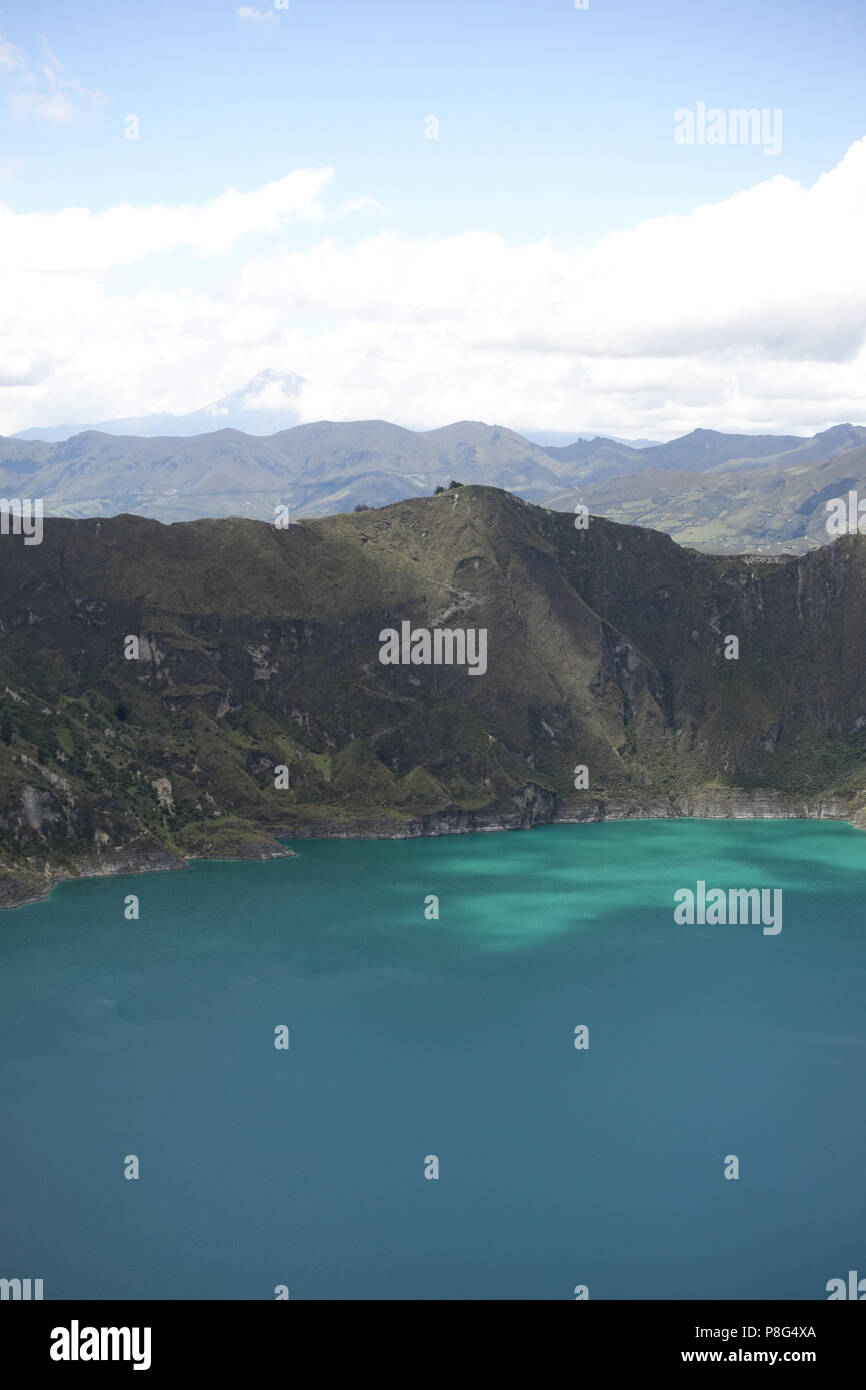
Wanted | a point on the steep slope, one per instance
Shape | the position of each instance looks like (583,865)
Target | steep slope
(260,648)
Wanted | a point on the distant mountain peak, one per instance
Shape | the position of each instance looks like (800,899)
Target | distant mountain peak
(843,431)
(262,406)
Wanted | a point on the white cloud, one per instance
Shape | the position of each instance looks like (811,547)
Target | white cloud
(254,16)
(47,106)
(79,240)
(40,91)
(11,57)
(359,205)
(747,314)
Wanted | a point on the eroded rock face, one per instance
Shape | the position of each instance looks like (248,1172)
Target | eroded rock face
(37,807)
(259,649)
(162,787)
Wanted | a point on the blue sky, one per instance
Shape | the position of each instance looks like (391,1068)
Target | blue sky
(553,123)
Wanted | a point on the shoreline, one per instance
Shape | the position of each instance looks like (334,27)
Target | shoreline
(712,804)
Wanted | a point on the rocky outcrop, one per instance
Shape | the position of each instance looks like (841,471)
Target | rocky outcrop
(733,803)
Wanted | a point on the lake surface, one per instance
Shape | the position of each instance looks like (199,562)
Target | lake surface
(411,1037)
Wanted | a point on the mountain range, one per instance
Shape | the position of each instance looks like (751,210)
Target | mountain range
(699,452)
(259,658)
(265,405)
(714,491)
(314,469)
(770,503)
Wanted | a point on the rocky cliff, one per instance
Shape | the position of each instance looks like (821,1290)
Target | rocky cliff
(197,689)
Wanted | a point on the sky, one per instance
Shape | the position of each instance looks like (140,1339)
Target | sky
(492,211)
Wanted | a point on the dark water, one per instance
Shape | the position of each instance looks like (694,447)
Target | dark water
(414,1037)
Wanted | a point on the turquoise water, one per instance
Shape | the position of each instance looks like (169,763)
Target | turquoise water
(412,1037)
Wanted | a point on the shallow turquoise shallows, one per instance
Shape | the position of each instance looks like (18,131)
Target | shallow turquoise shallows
(412,1037)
